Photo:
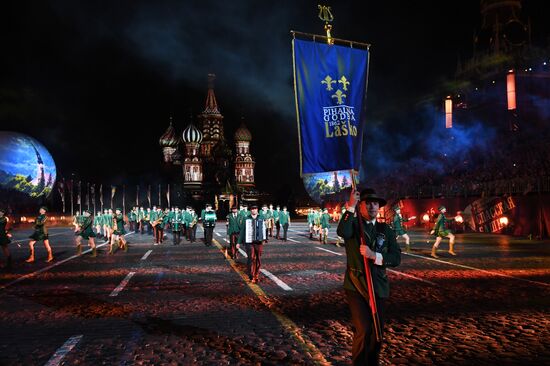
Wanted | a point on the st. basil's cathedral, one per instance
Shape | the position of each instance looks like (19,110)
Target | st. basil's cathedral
(212,172)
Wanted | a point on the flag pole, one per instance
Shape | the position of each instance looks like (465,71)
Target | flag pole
(368,274)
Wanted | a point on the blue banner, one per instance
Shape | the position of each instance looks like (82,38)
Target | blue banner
(330,84)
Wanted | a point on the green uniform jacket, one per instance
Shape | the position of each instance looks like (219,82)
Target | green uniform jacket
(276,215)
(98,220)
(120,225)
(348,228)
(440,226)
(141,215)
(284,217)
(398,225)
(153,216)
(176,219)
(208,218)
(234,224)
(86,228)
(40,229)
(325,221)
(132,216)
(108,220)
(310,218)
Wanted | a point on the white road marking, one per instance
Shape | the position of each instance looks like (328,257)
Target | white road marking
(121,286)
(146,255)
(227,241)
(24,277)
(292,240)
(243,253)
(411,276)
(478,269)
(330,251)
(218,234)
(62,351)
(275,279)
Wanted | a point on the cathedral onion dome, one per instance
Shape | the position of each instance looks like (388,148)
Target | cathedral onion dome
(243,134)
(169,138)
(192,135)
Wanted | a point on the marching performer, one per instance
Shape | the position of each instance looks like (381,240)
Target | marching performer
(98,223)
(5,237)
(339,238)
(440,231)
(118,231)
(284,220)
(193,226)
(176,221)
(233,230)
(40,233)
(317,222)
(147,221)
(85,231)
(208,217)
(310,222)
(381,251)
(325,225)
(132,219)
(271,221)
(140,220)
(152,220)
(158,225)
(276,217)
(399,228)
(253,235)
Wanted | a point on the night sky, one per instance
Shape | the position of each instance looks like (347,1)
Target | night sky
(96,81)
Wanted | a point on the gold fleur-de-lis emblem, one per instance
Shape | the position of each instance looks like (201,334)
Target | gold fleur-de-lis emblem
(339,96)
(328,81)
(344,82)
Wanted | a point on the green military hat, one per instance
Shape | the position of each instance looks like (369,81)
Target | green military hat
(441,208)
(43,208)
(396,207)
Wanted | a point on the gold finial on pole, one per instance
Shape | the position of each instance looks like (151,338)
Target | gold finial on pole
(325,15)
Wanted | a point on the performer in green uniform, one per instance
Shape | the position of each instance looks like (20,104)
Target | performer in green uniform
(284,220)
(158,229)
(440,231)
(5,237)
(399,228)
(40,233)
(85,231)
(325,225)
(193,225)
(253,235)
(276,218)
(98,223)
(132,219)
(208,217)
(270,223)
(233,230)
(381,251)
(147,221)
(317,222)
(177,223)
(140,220)
(118,232)
(310,222)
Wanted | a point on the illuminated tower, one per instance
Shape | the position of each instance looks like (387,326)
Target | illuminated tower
(192,165)
(40,176)
(244,162)
(211,122)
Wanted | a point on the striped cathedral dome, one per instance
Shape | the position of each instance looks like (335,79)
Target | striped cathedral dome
(192,134)
(243,134)
(169,138)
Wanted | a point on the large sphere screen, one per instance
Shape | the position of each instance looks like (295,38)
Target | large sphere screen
(321,184)
(25,165)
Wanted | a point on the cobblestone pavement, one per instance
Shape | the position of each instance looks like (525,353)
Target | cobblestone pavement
(189,305)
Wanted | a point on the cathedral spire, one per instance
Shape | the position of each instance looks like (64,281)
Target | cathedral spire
(211,106)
